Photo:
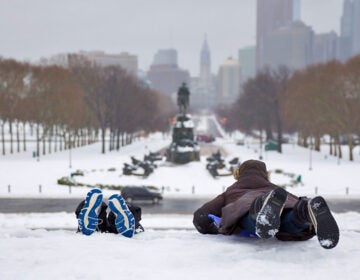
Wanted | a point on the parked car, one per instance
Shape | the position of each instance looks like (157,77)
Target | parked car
(207,138)
(131,193)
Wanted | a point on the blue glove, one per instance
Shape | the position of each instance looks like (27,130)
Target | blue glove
(215,219)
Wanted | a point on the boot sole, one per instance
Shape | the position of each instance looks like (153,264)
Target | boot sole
(124,221)
(268,218)
(88,218)
(326,228)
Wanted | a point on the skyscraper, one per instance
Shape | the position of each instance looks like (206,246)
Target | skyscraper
(349,41)
(356,29)
(205,63)
(325,47)
(202,88)
(291,45)
(297,10)
(271,15)
(346,26)
(247,63)
(165,57)
(228,81)
(346,19)
(164,74)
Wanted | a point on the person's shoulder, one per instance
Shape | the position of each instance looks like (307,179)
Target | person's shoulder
(236,184)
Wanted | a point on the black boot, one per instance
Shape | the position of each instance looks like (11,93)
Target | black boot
(136,211)
(301,211)
(266,211)
(317,213)
(326,228)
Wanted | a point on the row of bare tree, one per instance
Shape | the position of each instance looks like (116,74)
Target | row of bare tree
(320,100)
(71,105)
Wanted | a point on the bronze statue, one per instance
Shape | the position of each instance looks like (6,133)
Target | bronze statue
(183,98)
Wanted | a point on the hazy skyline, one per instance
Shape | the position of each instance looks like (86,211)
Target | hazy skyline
(31,29)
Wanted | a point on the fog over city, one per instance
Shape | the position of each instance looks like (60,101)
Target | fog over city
(40,28)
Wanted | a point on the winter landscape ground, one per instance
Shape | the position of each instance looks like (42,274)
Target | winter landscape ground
(45,245)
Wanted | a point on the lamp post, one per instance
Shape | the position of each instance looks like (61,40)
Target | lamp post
(69,151)
(261,144)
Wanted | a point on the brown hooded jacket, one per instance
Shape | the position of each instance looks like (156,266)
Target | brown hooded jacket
(234,203)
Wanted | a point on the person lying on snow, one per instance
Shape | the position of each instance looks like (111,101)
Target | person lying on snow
(92,215)
(253,206)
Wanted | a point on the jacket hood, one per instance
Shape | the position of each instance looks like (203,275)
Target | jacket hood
(251,167)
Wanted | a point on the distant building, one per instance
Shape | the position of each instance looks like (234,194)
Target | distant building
(296,10)
(164,74)
(325,47)
(271,15)
(247,63)
(346,31)
(205,63)
(228,82)
(291,45)
(203,90)
(349,40)
(282,39)
(125,60)
(356,29)
(166,57)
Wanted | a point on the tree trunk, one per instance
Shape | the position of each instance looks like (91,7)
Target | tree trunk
(89,137)
(269,135)
(3,137)
(31,129)
(44,140)
(279,136)
(110,140)
(122,139)
(17,136)
(305,143)
(37,140)
(299,139)
(103,132)
(11,137)
(339,152)
(118,139)
(51,133)
(55,139)
(83,137)
(60,143)
(24,135)
(78,135)
(331,146)
(351,147)
(69,141)
(317,143)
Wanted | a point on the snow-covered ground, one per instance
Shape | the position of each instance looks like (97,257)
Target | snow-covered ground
(24,173)
(44,246)
(29,252)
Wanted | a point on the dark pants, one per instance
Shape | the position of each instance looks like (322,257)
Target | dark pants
(288,223)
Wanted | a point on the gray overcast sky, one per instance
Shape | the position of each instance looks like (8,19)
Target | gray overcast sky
(30,29)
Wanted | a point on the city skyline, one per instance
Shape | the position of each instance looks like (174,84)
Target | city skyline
(41,29)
